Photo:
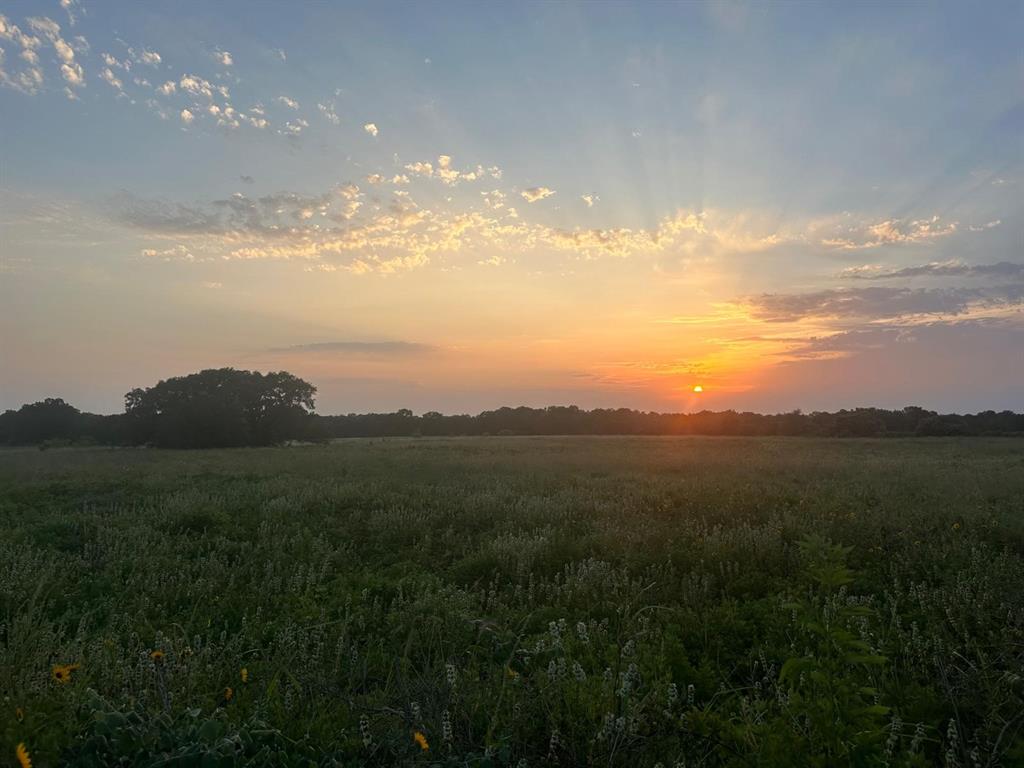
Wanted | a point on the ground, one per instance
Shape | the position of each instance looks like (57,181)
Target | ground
(516,601)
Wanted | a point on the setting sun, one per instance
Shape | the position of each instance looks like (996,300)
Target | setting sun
(698,388)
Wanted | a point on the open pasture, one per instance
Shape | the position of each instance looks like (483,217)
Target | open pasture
(516,602)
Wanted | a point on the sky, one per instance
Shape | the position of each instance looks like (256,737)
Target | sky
(460,206)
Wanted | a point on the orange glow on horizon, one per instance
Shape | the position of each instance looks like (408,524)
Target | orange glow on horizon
(698,388)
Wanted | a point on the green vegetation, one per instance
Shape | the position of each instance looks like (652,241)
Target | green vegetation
(516,602)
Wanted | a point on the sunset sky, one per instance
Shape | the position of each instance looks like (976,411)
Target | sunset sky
(456,207)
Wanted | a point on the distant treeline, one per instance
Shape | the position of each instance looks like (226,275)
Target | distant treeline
(225,407)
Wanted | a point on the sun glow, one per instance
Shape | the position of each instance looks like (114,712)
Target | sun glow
(697,388)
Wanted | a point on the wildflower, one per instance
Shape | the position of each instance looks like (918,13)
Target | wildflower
(511,673)
(61,673)
(244,674)
(157,655)
(229,693)
(24,760)
(956,526)
(420,740)
(364,731)
(19,713)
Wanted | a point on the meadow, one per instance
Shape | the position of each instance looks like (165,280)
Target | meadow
(516,602)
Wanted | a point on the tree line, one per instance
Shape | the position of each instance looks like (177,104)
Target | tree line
(227,407)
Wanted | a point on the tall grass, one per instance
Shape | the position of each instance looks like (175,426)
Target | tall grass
(520,602)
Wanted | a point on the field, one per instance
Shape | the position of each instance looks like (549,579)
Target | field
(516,602)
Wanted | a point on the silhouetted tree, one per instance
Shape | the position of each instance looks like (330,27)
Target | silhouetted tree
(35,423)
(220,408)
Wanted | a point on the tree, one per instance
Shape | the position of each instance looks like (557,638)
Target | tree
(221,408)
(48,419)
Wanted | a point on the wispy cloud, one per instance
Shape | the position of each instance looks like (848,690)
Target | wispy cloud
(880,302)
(951,268)
(533,194)
(359,349)
(859,235)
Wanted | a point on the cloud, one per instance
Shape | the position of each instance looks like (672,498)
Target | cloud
(880,302)
(952,364)
(1003,269)
(327,110)
(288,101)
(855,236)
(108,75)
(70,6)
(28,77)
(168,88)
(335,230)
(247,179)
(187,117)
(197,86)
(533,194)
(420,168)
(70,69)
(177,253)
(371,129)
(360,348)
(589,200)
(223,58)
(293,128)
(145,56)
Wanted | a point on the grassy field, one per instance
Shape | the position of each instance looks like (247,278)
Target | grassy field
(516,601)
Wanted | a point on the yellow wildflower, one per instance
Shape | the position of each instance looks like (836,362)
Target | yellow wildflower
(511,673)
(19,713)
(956,526)
(157,655)
(61,673)
(23,757)
(420,740)
(229,693)
(244,674)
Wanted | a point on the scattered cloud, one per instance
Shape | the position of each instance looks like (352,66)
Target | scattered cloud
(247,179)
(855,236)
(28,76)
(880,303)
(371,129)
(328,111)
(293,128)
(150,57)
(115,82)
(198,86)
(72,7)
(288,102)
(589,200)
(71,71)
(533,194)
(176,253)
(187,117)
(1003,269)
(223,58)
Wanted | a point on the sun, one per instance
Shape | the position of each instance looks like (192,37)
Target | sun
(697,388)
